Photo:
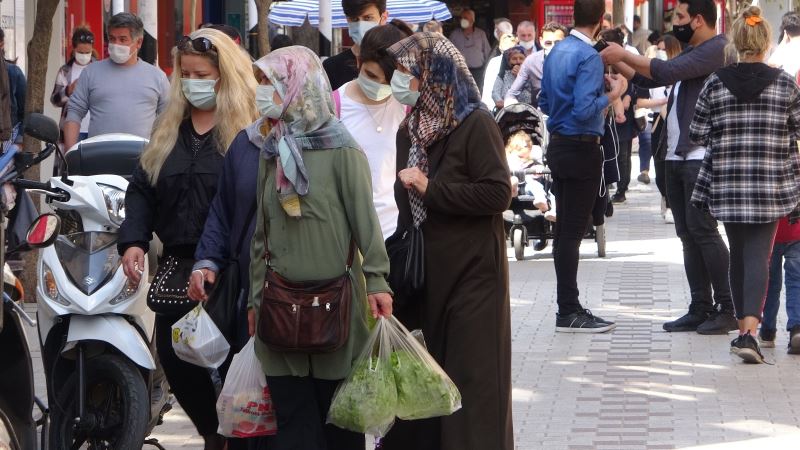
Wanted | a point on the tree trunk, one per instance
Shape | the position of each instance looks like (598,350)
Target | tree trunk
(262,6)
(38,52)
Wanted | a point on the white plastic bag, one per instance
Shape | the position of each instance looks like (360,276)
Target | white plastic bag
(244,407)
(197,340)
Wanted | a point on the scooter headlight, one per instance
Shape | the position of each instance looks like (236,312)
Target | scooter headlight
(115,202)
(128,290)
(49,286)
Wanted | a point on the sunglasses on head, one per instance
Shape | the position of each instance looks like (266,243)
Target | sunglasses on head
(86,38)
(200,44)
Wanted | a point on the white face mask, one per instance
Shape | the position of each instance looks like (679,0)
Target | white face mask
(372,89)
(120,54)
(401,88)
(662,55)
(465,23)
(527,44)
(200,93)
(83,58)
(265,101)
(357,30)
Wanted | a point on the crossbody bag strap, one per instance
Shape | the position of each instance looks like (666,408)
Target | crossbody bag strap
(350,255)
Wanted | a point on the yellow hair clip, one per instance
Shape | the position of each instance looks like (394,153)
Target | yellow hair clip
(753,20)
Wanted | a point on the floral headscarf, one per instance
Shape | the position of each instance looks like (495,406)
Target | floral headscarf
(307,121)
(448,94)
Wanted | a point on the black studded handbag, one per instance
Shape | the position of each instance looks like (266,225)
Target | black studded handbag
(168,292)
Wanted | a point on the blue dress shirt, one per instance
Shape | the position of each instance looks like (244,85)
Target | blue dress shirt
(573,88)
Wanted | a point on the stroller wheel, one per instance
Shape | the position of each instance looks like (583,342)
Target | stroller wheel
(518,239)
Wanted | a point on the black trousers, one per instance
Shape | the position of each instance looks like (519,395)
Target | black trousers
(624,160)
(301,407)
(191,384)
(751,248)
(576,168)
(478,74)
(660,166)
(705,256)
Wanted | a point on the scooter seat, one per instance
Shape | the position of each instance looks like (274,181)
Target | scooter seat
(107,154)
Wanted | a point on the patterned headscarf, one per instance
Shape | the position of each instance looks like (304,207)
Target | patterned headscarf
(505,64)
(307,121)
(448,94)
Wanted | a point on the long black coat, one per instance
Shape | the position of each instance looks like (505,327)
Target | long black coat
(466,315)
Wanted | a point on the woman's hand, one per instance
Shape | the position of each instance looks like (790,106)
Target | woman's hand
(499,104)
(251,321)
(515,70)
(380,304)
(133,264)
(197,281)
(414,178)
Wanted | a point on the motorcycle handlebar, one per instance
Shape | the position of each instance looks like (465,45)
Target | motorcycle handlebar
(51,192)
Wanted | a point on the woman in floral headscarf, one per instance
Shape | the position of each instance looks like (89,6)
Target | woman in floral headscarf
(455,187)
(314,199)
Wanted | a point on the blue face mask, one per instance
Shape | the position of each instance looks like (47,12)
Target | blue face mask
(200,93)
(372,89)
(401,88)
(357,30)
(266,102)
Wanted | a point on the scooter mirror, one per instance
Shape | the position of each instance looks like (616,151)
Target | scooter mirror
(43,231)
(42,128)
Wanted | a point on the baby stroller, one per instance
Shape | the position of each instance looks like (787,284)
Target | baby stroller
(524,221)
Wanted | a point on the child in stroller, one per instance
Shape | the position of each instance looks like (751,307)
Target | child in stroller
(526,161)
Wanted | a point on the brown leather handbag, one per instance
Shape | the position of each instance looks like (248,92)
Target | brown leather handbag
(308,316)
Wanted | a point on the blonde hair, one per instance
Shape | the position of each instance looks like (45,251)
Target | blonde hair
(236,106)
(751,33)
(519,141)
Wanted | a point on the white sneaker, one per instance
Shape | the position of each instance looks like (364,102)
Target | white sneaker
(668,217)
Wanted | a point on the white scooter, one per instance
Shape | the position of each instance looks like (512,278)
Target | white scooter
(95,328)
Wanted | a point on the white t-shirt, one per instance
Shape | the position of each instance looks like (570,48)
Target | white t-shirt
(490,75)
(787,57)
(674,134)
(362,122)
(74,74)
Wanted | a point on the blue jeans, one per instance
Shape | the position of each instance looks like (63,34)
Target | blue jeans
(786,254)
(645,147)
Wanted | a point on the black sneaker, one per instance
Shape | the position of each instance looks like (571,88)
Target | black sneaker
(689,322)
(619,197)
(766,337)
(582,322)
(643,178)
(540,245)
(794,340)
(720,321)
(746,347)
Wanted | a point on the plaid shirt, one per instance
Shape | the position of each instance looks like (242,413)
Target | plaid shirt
(751,170)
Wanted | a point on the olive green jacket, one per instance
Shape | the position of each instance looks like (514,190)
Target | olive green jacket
(315,247)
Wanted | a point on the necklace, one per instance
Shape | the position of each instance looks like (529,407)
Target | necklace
(377,123)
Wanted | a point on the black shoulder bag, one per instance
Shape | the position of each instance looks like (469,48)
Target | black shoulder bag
(223,300)
(406,250)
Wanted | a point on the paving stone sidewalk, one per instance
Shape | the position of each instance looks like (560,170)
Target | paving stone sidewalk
(637,387)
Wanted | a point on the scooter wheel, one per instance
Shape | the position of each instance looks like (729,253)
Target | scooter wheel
(117,400)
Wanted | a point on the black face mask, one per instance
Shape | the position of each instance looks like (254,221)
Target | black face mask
(683,33)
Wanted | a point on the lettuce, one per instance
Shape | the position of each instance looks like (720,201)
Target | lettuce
(423,391)
(367,400)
